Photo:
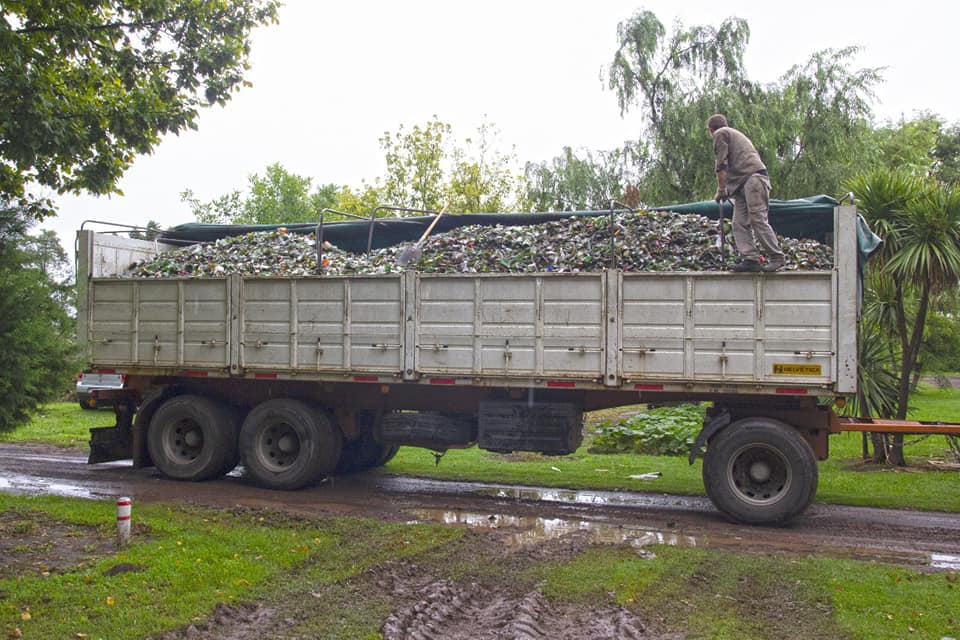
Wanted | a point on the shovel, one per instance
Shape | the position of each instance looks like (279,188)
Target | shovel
(413,253)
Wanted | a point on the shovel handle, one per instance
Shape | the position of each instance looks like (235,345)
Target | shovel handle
(432,225)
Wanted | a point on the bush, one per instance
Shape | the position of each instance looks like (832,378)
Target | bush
(665,431)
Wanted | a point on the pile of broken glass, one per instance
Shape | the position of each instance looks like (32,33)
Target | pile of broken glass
(641,241)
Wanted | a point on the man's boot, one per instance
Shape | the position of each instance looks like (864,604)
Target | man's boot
(774,264)
(746,266)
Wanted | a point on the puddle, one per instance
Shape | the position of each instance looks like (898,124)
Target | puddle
(533,530)
(34,486)
(537,530)
(538,494)
(945,561)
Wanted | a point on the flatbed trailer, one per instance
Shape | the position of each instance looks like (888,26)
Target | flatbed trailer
(303,377)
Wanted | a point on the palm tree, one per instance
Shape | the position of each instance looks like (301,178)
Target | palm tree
(929,260)
(920,224)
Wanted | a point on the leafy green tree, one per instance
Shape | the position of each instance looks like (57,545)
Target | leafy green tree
(277,197)
(908,145)
(811,127)
(481,179)
(38,357)
(87,86)
(946,154)
(940,349)
(573,183)
(415,165)
(359,202)
(656,72)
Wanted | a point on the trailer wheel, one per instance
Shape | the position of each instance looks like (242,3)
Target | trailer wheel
(364,453)
(288,444)
(193,438)
(760,471)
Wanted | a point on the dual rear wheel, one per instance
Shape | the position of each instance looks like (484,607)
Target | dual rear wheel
(283,443)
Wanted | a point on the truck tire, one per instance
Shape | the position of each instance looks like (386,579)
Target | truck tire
(364,453)
(193,438)
(760,471)
(288,444)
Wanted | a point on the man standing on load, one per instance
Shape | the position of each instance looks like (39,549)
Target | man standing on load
(742,176)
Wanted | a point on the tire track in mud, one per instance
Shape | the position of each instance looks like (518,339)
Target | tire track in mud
(447,610)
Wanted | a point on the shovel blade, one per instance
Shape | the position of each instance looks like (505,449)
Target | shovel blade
(410,254)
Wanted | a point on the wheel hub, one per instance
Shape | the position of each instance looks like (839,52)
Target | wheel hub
(287,443)
(193,438)
(278,446)
(760,471)
(759,474)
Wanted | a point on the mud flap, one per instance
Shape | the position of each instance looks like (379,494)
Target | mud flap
(110,443)
(710,429)
(113,443)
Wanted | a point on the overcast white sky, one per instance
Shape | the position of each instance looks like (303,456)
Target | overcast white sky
(332,77)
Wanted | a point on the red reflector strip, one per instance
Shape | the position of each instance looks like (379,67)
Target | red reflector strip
(104,370)
(648,387)
(196,374)
(265,376)
(791,391)
(443,381)
(563,384)
(366,378)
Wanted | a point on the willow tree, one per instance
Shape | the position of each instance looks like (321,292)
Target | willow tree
(811,126)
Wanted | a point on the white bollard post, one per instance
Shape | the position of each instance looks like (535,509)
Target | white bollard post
(123,522)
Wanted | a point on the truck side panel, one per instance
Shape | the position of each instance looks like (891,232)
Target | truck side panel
(160,322)
(322,324)
(522,325)
(728,327)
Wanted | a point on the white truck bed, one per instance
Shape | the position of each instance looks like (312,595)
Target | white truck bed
(788,332)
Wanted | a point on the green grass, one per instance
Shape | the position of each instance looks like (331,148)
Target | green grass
(929,403)
(61,423)
(190,560)
(720,595)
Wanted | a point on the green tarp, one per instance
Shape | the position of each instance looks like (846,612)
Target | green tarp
(801,218)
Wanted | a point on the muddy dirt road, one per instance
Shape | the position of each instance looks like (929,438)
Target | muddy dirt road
(525,514)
